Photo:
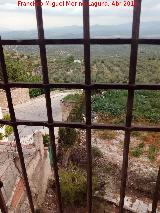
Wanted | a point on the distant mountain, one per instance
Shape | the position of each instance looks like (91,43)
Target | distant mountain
(148,29)
(3,29)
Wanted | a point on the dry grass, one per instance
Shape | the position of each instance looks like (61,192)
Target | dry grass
(106,134)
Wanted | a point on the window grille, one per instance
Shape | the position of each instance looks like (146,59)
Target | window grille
(88,87)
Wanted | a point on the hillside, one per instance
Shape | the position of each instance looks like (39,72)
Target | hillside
(108,63)
(148,29)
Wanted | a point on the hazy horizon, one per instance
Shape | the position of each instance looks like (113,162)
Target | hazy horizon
(17,18)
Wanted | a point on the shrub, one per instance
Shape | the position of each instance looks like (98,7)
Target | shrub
(35,92)
(6,117)
(137,151)
(1,136)
(67,137)
(46,140)
(96,152)
(76,114)
(113,104)
(70,59)
(141,145)
(8,130)
(73,186)
(152,151)
(21,68)
(72,97)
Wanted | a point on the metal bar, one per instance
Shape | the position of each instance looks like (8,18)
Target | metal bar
(3,206)
(98,41)
(82,125)
(120,41)
(132,78)
(88,87)
(13,119)
(86,35)
(43,57)
(92,86)
(156,195)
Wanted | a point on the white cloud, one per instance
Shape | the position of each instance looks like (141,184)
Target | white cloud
(23,18)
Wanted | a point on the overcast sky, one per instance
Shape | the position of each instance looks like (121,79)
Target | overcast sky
(23,18)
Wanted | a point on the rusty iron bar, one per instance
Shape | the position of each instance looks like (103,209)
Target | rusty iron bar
(3,205)
(130,99)
(156,194)
(88,87)
(79,125)
(87,65)
(43,57)
(92,41)
(14,124)
(92,86)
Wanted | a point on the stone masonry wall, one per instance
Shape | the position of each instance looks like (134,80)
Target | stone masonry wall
(66,108)
(19,96)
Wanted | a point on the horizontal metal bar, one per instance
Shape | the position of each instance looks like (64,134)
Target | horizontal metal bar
(82,125)
(93,86)
(123,127)
(39,42)
(117,41)
(41,85)
(97,41)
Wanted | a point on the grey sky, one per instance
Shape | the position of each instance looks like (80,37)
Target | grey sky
(23,18)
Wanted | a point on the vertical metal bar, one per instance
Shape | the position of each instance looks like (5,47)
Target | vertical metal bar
(156,195)
(86,32)
(43,57)
(3,206)
(130,100)
(13,119)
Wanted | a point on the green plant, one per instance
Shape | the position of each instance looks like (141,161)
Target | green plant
(1,136)
(46,140)
(70,59)
(141,145)
(112,103)
(6,117)
(107,168)
(34,92)
(76,114)
(21,68)
(96,152)
(73,186)
(137,151)
(152,151)
(67,137)
(8,130)
(72,97)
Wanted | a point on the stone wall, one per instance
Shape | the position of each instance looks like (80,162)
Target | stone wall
(11,174)
(66,108)
(19,96)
